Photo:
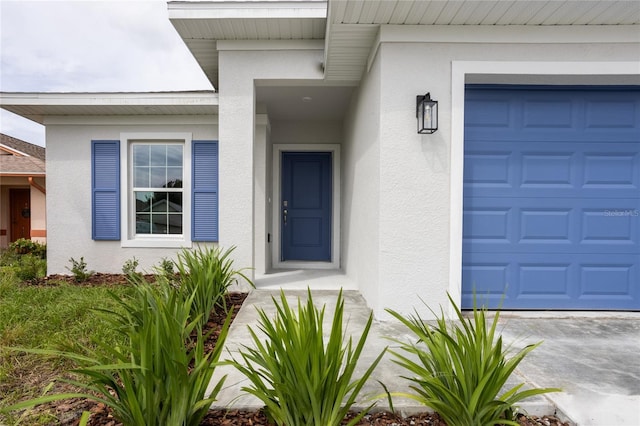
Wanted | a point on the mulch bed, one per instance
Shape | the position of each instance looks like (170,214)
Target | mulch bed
(69,411)
(97,279)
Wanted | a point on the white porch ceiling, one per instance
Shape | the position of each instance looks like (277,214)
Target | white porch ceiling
(350,27)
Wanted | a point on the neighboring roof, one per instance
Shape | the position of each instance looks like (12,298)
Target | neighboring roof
(23,147)
(18,157)
(36,106)
(350,27)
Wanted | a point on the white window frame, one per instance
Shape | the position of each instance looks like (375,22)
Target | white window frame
(127,200)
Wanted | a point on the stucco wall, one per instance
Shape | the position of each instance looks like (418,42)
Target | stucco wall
(38,211)
(69,189)
(306,132)
(361,198)
(416,218)
(238,74)
(262,194)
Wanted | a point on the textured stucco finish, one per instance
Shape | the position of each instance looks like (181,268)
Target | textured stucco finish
(238,72)
(401,191)
(69,194)
(409,226)
(361,189)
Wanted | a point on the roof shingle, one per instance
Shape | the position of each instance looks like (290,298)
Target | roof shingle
(31,162)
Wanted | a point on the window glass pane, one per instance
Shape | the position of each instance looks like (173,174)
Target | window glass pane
(143,201)
(174,177)
(174,155)
(158,166)
(159,202)
(143,224)
(140,155)
(158,177)
(158,155)
(159,223)
(141,177)
(175,201)
(175,223)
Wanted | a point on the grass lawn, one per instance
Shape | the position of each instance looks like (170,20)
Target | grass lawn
(57,316)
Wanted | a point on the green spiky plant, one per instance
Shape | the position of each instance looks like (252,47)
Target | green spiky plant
(160,376)
(207,273)
(302,380)
(459,368)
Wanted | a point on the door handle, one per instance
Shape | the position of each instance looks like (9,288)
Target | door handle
(284,216)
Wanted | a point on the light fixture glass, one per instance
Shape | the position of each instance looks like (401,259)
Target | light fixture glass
(427,114)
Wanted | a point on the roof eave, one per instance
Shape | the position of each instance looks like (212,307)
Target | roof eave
(234,9)
(37,106)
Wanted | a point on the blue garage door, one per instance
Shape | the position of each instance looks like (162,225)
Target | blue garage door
(552,197)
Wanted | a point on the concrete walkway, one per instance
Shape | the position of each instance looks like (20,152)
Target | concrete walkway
(594,358)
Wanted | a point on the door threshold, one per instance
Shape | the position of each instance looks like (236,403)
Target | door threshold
(298,264)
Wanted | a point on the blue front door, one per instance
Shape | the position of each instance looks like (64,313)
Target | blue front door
(305,210)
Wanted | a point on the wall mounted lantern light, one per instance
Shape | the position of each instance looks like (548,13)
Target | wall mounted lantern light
(427,114)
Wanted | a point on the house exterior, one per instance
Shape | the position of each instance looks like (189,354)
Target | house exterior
(22,191)
(307,154)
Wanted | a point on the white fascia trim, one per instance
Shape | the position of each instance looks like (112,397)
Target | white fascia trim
(127,220)
(460,70)
(13,151)
(270,45)
(509,34)
(126,99)
(248,9)
(118,120)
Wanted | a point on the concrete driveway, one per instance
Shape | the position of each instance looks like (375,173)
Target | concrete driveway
(594,358)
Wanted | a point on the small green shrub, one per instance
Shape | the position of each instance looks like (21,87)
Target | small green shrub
(130,266)
(160,375)
(207,274)
(300,379)
(459,368)
(79,269)
(26,246)
(8,257)
(30,266)
(166,267)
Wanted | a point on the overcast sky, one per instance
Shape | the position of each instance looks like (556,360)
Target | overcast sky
(89,46)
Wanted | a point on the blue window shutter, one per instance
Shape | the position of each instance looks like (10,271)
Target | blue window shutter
(204,199)
(105,190)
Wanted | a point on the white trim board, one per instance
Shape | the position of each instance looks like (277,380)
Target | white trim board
(334,149)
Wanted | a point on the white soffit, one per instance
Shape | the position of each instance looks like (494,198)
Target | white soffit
(37,106)
(202,24)
(352,24)
(349,28)
(485,12)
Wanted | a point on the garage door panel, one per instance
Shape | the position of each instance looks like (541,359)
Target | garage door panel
(611,170)
(551,207)
(566,115)
(549,114)
(610,113)
(616,225)
(552,169)
(538,282)
(550,225)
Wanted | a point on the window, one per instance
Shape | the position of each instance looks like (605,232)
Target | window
(155,190)
(157,170)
